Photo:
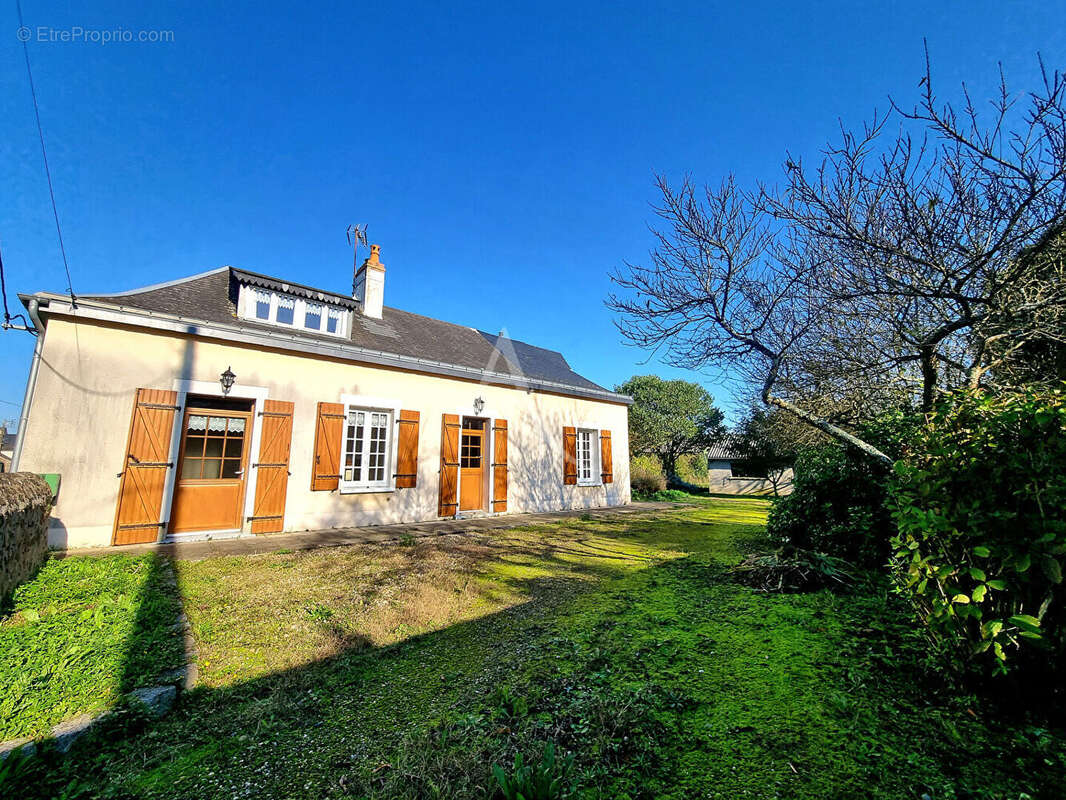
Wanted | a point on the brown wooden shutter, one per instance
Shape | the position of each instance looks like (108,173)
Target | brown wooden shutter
(606,459)
(569,456)
(326,470)
(449,465)
(407,451)
(272,469)
(144,467)
(499,465)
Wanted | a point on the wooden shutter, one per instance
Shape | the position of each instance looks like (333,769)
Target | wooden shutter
(499,465)
(326,470)
(272,469)
(569,456)
(144,468)
(407,451)
(449,465)
(606,459)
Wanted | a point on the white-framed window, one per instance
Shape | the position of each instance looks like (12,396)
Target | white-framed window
(262,304)
(285,313)
(313,313)
(289,311)
(588,457)
(335,320)
(366,462)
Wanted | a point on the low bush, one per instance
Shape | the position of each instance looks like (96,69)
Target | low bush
(669,496)
(979,499)
(839,502)
(646,475)
(692,469)
(837,507)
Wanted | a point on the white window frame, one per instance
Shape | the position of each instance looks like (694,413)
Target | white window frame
(596,473)
(249,295)
(371,405)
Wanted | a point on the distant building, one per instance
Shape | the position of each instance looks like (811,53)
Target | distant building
(7,448)
(726,474)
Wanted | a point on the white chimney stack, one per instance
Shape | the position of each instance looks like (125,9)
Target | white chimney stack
(370,283)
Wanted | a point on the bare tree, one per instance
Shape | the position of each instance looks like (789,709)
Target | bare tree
(871,280)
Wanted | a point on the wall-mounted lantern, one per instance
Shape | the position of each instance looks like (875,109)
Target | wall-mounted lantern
(227,379)
(479,404)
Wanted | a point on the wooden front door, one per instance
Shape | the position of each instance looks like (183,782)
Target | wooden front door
(209,492)
(472,465)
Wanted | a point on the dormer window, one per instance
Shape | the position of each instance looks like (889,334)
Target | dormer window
(262,304)
(290,311)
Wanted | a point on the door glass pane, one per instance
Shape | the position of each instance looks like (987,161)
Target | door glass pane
(190,468)
(470,453)
(212,468)
(197,424)
(213,447)
(231,468)
(194,447)
(234,446)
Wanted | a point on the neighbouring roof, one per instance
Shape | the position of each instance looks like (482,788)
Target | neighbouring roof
(7,445)
(211,297)
(724,450)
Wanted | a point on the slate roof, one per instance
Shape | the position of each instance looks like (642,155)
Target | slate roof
(211,297)
(723,450)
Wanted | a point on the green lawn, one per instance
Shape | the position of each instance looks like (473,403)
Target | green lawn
(78,635)
(409,671)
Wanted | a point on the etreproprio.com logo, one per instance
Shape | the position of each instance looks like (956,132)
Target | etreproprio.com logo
(77,33)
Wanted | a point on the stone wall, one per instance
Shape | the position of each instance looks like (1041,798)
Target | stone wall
(25,503)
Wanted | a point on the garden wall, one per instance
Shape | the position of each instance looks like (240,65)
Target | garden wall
(720,480)
(25,503)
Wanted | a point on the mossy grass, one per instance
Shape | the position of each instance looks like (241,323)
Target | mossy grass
(79,635)
(623,641)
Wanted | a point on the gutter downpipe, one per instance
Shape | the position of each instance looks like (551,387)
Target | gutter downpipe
(31,383)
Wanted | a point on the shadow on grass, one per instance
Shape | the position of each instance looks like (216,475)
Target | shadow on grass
(667,679)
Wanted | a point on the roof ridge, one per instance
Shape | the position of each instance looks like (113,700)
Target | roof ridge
(162,285)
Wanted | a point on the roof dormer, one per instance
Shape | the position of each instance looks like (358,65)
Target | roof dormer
(293,307)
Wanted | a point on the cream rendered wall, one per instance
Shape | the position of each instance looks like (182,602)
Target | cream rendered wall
(80,414)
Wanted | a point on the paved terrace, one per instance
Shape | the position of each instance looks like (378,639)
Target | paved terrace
(376,534)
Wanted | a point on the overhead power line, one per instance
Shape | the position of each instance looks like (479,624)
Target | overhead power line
(9,321)
(44,154)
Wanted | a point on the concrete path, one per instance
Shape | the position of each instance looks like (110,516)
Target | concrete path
(339,537)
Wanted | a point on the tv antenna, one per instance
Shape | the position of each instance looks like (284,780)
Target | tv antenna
(356,237)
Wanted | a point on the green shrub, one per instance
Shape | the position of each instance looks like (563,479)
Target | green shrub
(837,506)
(980,502)
(692,469)
(839,502)
(646,475)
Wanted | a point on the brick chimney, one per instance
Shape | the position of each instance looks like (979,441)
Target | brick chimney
(370,283)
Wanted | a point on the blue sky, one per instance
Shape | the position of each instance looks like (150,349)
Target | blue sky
(503,157)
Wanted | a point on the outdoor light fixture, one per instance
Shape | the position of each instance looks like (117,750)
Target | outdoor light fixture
(227,379)
(478,405)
